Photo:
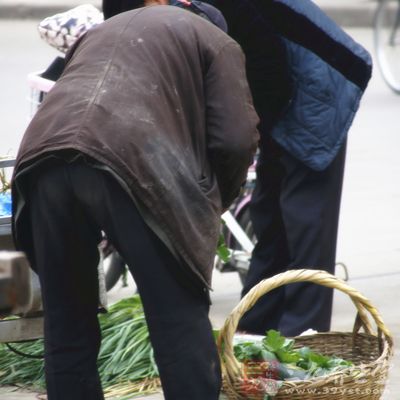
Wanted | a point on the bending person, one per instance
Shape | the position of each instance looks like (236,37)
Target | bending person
(146,136)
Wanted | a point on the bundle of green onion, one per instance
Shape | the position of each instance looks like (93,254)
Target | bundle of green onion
(126,363)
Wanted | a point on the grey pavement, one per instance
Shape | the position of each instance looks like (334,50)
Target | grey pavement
(346,13)
(369,231)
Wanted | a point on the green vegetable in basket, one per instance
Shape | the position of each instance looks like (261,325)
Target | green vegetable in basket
(318,364)
(253,351)
(281,346)
(291,372)
(282,361)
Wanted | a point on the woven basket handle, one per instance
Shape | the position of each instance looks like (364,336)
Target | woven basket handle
(230,364)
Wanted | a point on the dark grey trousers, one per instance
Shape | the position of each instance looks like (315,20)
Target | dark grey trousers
(70,203)
(295,214)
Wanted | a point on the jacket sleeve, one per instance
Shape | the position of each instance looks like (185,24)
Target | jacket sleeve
(232,135)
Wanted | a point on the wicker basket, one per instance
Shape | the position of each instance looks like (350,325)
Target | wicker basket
(370,352)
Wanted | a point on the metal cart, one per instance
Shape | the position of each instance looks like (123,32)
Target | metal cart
(19,288)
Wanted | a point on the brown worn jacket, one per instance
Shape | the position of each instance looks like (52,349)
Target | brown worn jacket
(160,97)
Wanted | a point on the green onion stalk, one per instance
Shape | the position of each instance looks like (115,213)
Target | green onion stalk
(126,360)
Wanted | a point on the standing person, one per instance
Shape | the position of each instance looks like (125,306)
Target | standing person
(146,136)
(307,77)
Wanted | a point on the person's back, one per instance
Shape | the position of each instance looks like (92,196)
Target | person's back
(120,68)
(146,137)
(150,93)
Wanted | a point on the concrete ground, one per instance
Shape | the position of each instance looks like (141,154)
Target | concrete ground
(369,233)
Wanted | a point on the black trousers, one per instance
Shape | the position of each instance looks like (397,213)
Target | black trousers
(70,204)
(295,213)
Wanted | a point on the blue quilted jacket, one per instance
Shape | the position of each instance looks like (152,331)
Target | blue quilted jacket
(306,74)
(330,72)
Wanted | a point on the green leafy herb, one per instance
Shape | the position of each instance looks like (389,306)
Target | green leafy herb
(215,334)
(253,351)
(222,250)
(274,341)
(288,363)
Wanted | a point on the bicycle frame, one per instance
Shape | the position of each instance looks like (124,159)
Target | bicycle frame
(237,231)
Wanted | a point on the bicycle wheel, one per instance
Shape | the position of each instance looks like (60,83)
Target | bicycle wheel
(387,42)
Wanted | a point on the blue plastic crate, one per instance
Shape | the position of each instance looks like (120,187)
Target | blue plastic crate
(5,204)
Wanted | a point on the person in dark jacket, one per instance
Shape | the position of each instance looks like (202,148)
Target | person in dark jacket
(307,77)
(147,136)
